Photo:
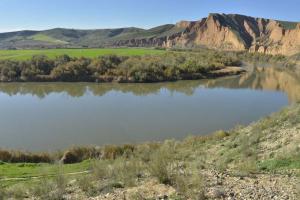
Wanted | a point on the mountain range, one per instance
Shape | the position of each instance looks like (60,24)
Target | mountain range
(217,31)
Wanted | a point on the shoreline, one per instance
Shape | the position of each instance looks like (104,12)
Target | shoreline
(218,73)
(255,161)
(77,154)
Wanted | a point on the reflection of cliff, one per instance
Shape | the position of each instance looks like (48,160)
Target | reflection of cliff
(267,78)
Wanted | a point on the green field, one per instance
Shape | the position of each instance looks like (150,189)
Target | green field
(27,172)
(90,53)
(23,170)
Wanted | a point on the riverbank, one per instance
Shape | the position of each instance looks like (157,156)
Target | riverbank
(259,161)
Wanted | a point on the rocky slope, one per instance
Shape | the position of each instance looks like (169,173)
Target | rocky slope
(220,31)
(238,32)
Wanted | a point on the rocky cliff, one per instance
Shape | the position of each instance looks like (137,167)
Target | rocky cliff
(238,32)
(231,32)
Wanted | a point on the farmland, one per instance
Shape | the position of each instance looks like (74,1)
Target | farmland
(89,53)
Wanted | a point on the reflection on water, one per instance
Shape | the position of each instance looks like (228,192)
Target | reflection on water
(41,90)
(49,116)
(274,79)
(264,78)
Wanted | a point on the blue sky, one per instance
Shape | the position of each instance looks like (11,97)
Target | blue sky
(85,14)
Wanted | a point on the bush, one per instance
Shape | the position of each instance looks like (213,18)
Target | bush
(50,188)
(101,169)
(147,68)
(160,165)
(189,187)
(79,154)
(2,191)
(87,185)
(15,192)
(112,152)
(126,171)
(18,156)
(60,183)
(42,189)
(220,134)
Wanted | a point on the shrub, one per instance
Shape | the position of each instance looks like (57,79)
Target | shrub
(15,192)
(112,151)
(101,169)
(160,164)
(18,157)
(79,154)
(189,187)
(145,151)
(43,189)
(60,183)
(147,68)
(87,185)
(220,134)
(2,191)
(51,189)
(129,171)
(5,156)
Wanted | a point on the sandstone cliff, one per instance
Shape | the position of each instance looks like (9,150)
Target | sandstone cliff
(238,32)
(230,32)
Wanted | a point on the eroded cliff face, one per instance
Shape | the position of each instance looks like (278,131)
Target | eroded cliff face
(230,32)
(238,32)
(209,32)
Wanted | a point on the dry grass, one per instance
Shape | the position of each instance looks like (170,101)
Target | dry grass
(18,156)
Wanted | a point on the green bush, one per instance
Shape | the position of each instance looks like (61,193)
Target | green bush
(147,68)
(161,162)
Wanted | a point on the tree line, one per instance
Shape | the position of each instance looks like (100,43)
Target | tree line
(147,68)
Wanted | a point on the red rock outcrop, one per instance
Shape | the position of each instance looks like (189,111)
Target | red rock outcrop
(231,32)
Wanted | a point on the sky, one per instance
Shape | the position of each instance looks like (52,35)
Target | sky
(95,14)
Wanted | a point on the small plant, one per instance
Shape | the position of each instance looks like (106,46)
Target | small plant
(189,186)
(136,196)
(15,192)
(42,189)
(130,171)
(145,151)
(87,185)
(61,183)
(2,191)
(298,190)
(160,164)
(51,189)
(247,166)
(113,152)
(220,134)
(101,169)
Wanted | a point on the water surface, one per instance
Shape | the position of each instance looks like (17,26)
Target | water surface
(51,116)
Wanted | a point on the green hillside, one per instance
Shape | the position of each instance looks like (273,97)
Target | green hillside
(62,38)
(46,38)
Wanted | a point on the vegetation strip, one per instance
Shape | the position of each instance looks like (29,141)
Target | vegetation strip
(147,68)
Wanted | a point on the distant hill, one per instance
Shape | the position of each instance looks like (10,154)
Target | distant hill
(59,37)
(221,31)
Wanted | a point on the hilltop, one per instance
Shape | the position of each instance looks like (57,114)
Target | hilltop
(219,31)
